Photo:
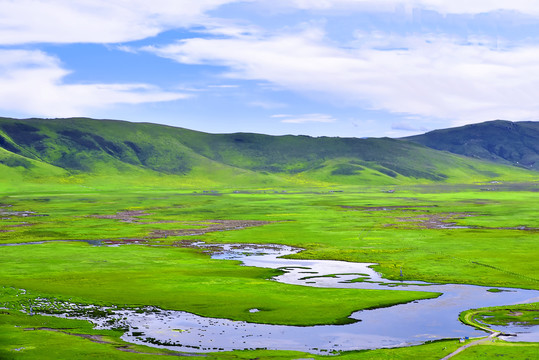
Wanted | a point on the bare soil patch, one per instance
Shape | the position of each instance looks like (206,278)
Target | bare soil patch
(128,216)
(94,338)
(434,221)
(210,226)
(21,225)
(386,208)
(101,340)
(430,220)
(202,227)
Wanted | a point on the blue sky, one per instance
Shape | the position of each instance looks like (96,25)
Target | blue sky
(349,68)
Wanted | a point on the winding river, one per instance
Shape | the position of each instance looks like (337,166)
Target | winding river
(400,325)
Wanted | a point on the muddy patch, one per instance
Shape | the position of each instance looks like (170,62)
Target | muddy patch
(100,339)
(409,216)
(132,216)
(21,225)
(204,226)
(128,216)
(26,213)
(94,338)
(208,226)
(524,228)
(433,221)
(387,208)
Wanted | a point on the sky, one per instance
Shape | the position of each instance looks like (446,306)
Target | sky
(348,68)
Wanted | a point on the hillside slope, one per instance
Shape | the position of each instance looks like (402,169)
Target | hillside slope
(46,148)
(505,142)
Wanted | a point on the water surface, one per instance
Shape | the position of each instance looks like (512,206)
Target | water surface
(400,325)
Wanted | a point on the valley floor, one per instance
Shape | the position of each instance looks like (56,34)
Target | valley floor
(435,233)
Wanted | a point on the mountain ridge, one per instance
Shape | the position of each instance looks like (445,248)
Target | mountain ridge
(501,141)
(82,147)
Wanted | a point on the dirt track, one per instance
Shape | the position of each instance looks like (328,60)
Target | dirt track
(462,348)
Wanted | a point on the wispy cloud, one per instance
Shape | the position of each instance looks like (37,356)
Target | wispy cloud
(432,76)
(97,21)
(305,118)
(224,86)
(115,21)
(31,82)
(264,104)
(446,7)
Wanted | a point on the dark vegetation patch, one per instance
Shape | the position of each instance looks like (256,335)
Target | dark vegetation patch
(179,167)
(23,134)
(78,139)
(136,149)
(500,141)
(72,161)
(15,161)
(88,141)
(387,172)
(411,172)
(143,155)
(149,156)
(347,169)
(8,146)
(108,146)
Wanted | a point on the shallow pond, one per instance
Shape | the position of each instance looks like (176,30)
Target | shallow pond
(400,325)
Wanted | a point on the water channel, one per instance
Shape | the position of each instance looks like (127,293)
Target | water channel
(400,325)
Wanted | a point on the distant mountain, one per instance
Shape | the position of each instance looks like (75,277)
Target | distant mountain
(81,149)
(505,142)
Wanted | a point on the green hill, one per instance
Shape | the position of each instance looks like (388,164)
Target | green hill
(87,151)
(505,142)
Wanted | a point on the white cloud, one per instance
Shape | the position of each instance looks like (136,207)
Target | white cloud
(447,7)
(31,82)
(114,21)
(430,77)
(224,86)
(268,105)
(305,118)
(96,21)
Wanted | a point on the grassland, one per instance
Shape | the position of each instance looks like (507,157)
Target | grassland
(521,314)
(97,153)
(483,234)
(501,141)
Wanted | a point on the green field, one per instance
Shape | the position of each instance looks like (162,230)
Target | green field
(435,233)
(418,213)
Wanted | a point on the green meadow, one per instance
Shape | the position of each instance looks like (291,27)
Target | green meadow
(484,234)
(418,213)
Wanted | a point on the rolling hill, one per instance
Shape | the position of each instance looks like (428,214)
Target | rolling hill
(85,150)
(504,142)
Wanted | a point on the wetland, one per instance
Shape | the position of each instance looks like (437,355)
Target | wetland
(312,272)
(399,325)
